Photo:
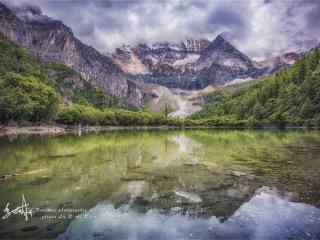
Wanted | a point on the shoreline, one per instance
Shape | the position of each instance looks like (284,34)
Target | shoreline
(37,130)
(65,129)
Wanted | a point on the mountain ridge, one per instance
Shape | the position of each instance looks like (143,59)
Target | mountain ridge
(218,50)
(215,63)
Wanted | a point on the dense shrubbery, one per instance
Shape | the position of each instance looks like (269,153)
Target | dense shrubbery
(24,93)
(292,96)
(88,115)
(17,60)
(88,95)
(76,113)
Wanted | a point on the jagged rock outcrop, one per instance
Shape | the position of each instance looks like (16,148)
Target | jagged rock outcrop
(51,40)
(129,62)
(195,46)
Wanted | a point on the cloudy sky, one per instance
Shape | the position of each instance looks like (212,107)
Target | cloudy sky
(257,27)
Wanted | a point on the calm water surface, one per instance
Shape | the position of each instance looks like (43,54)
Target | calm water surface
(194,184)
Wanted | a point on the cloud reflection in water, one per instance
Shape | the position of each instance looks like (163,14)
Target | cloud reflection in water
(266,216)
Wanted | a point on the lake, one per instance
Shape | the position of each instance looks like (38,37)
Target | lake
(162,184)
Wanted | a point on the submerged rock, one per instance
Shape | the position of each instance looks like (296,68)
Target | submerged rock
(40,181)
(62,155)
(192,197)
(29,228)
(132,178)
(6,177)
(238,173)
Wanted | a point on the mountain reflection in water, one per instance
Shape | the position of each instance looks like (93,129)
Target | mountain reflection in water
(266,216)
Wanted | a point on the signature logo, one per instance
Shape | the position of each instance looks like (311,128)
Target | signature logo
(22,210)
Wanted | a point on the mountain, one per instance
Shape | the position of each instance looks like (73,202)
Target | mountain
(193,64)
(168,64)
(52,41)
(221,52)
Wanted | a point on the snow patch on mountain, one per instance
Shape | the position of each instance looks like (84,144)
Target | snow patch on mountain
(238,81)
(189,59)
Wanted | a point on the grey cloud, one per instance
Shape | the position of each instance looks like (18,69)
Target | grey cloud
(227,17)
(313,18)
(230,19)
(28,12)
(257,27)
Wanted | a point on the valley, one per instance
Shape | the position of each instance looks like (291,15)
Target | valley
(190,101)
(193,64)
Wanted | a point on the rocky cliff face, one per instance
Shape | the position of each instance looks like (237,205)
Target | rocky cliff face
(144,59)
(53,41)
(167,64)
(195,46)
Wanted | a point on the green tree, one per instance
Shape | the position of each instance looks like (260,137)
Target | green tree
(166,110)
(302,72)
(307,109)
(26,98)
(258,111)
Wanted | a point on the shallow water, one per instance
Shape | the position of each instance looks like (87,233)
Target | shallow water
(193,184)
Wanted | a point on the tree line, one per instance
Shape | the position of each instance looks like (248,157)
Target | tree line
(290,97)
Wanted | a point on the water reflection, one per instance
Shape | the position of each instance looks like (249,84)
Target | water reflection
(266,216)
(161,175)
